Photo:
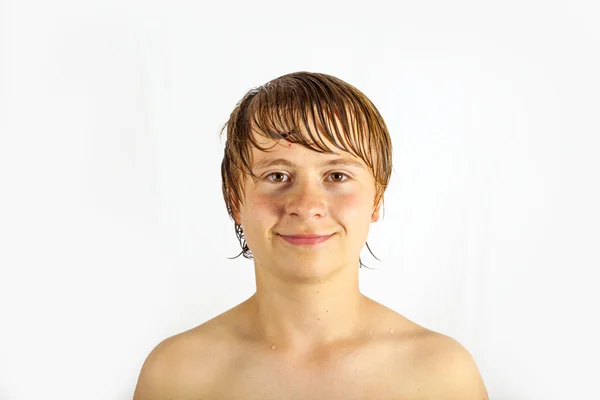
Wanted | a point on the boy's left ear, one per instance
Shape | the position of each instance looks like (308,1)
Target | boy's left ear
(375,216)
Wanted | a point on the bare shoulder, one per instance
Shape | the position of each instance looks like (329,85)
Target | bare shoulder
(449,370)
(439,366)
(185,365)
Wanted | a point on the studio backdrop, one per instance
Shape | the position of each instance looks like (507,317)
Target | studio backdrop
(114,233)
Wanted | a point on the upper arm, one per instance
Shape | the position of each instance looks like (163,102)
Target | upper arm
(178,368)
(154,381)
(457,375)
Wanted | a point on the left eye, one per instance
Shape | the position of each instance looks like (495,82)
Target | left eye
(338,176)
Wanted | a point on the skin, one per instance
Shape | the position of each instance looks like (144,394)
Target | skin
(308,332)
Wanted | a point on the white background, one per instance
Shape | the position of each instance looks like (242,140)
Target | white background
(114,235)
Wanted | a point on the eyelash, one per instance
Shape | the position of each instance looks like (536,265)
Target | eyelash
(335,172)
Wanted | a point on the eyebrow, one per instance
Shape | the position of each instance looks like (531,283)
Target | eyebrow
(336,162)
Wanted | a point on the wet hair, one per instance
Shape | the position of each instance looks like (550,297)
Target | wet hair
(333,114)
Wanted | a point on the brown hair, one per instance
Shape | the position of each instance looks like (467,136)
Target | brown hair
(278,108)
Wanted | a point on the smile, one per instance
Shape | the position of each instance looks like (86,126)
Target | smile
(305,240)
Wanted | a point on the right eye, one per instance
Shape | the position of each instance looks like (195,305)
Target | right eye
(276,177)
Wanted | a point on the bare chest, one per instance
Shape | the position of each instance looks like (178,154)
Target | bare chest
(350,377)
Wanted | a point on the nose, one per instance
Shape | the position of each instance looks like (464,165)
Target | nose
(307,200)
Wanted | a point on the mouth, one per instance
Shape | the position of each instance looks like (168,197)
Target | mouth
(306,240)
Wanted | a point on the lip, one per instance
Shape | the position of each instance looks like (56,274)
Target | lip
(305,240)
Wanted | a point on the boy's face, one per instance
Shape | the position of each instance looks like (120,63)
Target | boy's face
(299,191)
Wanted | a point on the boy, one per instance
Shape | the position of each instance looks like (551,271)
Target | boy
(307,161)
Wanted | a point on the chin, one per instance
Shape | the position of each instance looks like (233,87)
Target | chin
(306,269)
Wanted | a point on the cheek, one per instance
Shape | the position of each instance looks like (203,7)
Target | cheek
(264,204)
(258,209)
(352,206)
(261,209)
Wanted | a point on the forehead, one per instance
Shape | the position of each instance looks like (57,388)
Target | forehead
(330,130)
(276,150)
(323,135)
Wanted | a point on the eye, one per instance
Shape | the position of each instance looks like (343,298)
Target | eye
(277,177)
(339,177)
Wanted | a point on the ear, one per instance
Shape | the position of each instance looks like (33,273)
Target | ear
(236,217)
(375,215)
(235,209)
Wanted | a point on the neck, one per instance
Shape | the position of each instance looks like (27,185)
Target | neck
(300,316)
